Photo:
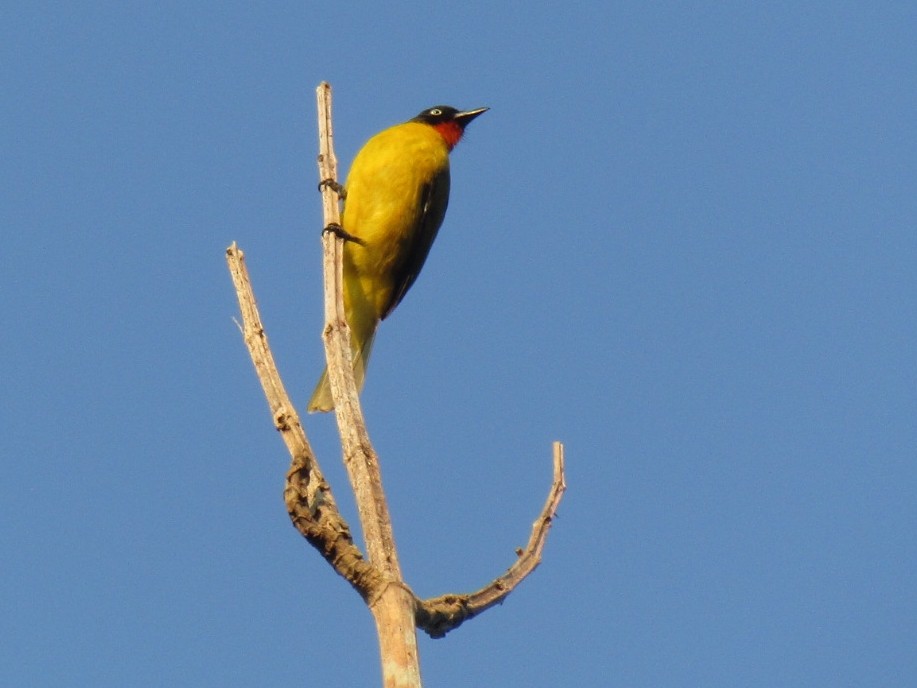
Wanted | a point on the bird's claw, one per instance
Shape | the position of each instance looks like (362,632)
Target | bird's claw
(334,186)
(341,233)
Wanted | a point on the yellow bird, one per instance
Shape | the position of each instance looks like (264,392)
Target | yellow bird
(395,200)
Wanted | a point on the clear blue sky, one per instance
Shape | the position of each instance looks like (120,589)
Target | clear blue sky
(683,241)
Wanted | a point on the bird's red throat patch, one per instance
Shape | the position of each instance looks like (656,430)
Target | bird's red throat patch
(451,133)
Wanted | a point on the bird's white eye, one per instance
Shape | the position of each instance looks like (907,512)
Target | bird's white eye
(436,111)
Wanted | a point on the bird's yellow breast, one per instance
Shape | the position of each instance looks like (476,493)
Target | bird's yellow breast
(383,206)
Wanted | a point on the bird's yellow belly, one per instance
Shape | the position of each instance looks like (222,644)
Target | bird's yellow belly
(384,196)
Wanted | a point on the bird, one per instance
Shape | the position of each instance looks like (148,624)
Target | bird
(395,199)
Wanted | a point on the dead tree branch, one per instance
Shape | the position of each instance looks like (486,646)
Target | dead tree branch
(392,604)
(308,496)
(439,615)
(360,458)
(310,503)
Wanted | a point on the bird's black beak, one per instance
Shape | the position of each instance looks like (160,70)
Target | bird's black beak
(463,118)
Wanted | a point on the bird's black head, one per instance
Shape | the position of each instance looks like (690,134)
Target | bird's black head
(443,114)
(448,121)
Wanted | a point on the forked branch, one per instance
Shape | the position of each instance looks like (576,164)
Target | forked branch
(310,503)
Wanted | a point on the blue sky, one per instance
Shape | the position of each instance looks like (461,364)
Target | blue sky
(682,241)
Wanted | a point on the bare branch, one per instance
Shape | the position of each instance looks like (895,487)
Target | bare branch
(437,616)
(360,458)
(391,602)
(396,610)
(307,495)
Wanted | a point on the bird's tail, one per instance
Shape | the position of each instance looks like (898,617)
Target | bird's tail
(321,401)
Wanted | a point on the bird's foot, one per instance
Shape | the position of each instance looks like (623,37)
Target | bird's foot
(334,186)
(341,233)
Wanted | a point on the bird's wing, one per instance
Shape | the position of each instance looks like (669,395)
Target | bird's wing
(433,201)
